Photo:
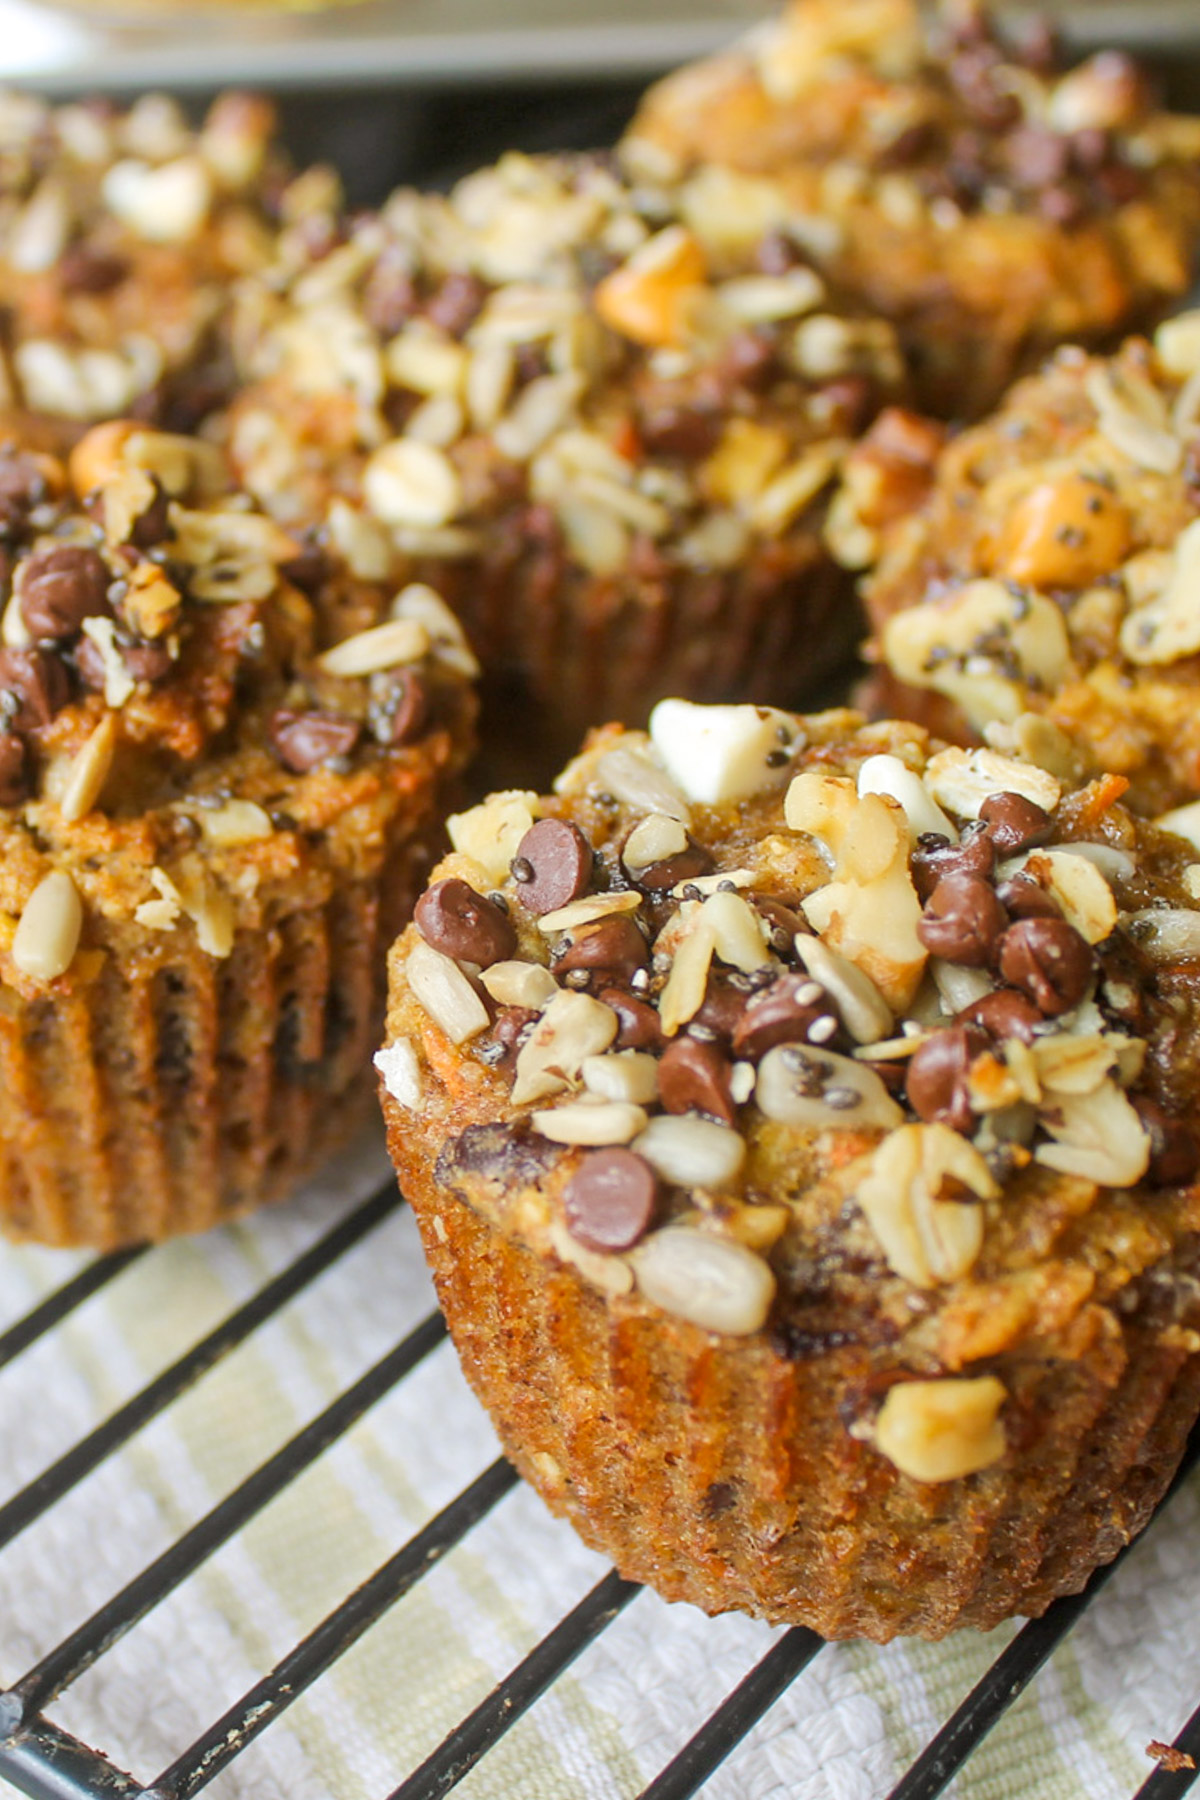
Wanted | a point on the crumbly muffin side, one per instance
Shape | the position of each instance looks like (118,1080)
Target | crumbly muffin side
(1046,584)
(604,417)
(222,768)
(987,197)
(797,1116)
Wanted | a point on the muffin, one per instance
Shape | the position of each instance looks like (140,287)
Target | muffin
(968,186)
(1046,586)
(223,767)
(796,1114)
(606,428)
(120,233)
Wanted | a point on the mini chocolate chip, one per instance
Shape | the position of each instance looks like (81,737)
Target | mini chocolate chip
(937,1077)
(1015,823)
(301,740)
(721,1009)
(639,1027)
(146,661)
(785,922)
(685,866)
(613,948)
(460,923)
(511,1023)
(38,684)
(1048,960)
(609,1201)
(694,1077)
(456,303)
(84,269)
(14,769)
(559,860)
(22,487)
(935,856)
(680,431)
(1002,1015)
(406,709)
(310,570)
(62,587)
(962,920)
(1024,897)
(784,1013)
(1174,1151)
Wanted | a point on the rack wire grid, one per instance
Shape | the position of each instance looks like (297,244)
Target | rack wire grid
(347,1268)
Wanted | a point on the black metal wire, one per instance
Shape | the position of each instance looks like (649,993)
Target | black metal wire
(268,1698)
(1169,1784)
(458,1754)
(56,1307)
(77,1652)
(754,1695)
(17,1514)
(1012,1672)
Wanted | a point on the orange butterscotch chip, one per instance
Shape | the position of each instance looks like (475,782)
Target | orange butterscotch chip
(1063,533)
(653,296)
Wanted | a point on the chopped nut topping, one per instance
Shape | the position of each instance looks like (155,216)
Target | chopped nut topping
(926,1237)
(48,931)
(710,1281)
(942,1430)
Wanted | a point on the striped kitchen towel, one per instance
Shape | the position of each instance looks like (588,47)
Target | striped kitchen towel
(847,1728)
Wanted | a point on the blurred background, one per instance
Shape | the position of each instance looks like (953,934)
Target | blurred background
(424,90)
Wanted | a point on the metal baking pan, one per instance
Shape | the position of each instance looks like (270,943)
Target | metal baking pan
(439,42)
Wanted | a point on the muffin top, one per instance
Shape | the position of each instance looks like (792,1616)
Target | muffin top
(197,718)
(119,235)
(1051,571)
(801,1027)
(636,369)
(972,118)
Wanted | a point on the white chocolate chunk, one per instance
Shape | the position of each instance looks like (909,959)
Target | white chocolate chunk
(719,754)
(400,1073)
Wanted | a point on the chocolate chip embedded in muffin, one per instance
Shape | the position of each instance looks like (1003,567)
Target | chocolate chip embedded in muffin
(610,1200)
(1049,961)
(962,920)
(302,740)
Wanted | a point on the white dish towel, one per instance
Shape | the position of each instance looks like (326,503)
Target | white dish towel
(845,1730)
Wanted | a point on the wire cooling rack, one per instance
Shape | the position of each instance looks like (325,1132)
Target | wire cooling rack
(41,1758)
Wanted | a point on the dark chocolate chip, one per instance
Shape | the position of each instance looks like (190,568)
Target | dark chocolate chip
(14,769)
(937,1077)
(694,1077)
(1174,1151)
(609,1201)
(785,1013)
(1015,823)
(1049,961)
(613,949)
(555,866)
(1002,1015)
(460,923)
(146,661)
(303,739)
(510,1025)
(962,920)
(62,587)
(785,922)
(640,1027)
(38,684)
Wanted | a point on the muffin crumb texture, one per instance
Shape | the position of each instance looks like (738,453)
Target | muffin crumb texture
(797,1116)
